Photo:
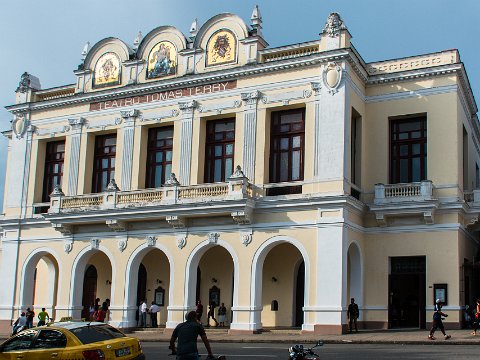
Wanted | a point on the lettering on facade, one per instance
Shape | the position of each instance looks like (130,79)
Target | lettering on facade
(164,95)
(411,64)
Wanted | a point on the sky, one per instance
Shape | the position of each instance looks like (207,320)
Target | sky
(46,38)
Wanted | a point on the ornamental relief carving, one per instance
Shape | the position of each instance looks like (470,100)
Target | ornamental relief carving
(286,97)
(332,77)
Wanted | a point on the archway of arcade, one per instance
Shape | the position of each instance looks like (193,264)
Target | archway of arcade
(40,276)
(93,277)
(215,283)
(283,287)
(148,278)
(354,277)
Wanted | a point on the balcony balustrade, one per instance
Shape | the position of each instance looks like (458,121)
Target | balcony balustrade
(405,199)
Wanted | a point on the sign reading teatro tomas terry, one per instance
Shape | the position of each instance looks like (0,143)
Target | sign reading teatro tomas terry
(164,95)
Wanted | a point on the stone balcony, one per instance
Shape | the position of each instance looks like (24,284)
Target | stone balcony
(173,203)
(404,199)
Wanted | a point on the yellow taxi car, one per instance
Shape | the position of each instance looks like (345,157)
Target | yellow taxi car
(72,341)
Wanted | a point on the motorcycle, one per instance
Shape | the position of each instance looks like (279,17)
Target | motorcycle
(298,352)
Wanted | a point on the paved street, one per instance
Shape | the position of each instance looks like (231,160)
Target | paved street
(328,351)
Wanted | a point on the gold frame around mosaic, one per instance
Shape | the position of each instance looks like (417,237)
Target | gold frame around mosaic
(213,56)
(111,76)
(172,59)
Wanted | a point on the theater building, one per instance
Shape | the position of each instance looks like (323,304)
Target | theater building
(278,181)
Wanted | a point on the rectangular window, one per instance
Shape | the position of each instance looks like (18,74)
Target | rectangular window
(159,156)
(53,174)
(287,150)
(219,150)
(408,150)
(104,161)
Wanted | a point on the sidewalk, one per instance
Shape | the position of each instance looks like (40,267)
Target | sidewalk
(459,337)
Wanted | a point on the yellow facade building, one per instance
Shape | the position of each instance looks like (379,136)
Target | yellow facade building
(279,181)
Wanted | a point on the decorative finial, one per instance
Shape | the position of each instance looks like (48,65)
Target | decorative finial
(112,186)
(172,180)
(57,191)
(85,50)
(333,25)
(28,81)
(194,27)
(137,40)
(256,19)
(237,174)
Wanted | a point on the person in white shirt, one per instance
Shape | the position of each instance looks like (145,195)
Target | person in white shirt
(142,309)
(20,324)
(154,309)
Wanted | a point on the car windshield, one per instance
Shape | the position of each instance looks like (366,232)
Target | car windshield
(91,334)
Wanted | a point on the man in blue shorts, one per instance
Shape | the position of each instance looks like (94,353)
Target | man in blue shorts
(187,333)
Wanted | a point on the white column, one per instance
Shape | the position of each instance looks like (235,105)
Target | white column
(330,282)
(188,110)
(75,137)
(250,132)
(127,154)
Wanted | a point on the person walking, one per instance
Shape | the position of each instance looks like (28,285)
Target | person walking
(42,317)
(437,321)
(199,311)
(154,309)
(476,318)
(222,314)
(142,309)
(352,314)
(30,314)
(211,314)
(187,334)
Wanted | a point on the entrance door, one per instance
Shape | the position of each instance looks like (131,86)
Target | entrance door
(407,293)
(300,295)
(89,290)
(141,287)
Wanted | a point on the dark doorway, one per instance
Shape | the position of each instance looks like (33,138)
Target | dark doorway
(89,290)
(407,293)
(141,287)
(300,295)
(199,279)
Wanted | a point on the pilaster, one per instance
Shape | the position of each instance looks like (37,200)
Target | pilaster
(75,136)
(127,154)
(250,132)
(188,110)
(316,87)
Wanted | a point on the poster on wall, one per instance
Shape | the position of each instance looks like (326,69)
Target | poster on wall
(440,293)
(160,296)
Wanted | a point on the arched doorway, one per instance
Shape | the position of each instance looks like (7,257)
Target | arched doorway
(148,278)
(273,283)
(85,286)
(280,281)
(354,277)
(217,285)
(40,286)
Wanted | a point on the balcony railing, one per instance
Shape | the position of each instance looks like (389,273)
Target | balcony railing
(172,192)
(394,193)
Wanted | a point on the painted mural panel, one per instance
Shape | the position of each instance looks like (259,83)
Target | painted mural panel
(107,70)
(221,48)
(162,60)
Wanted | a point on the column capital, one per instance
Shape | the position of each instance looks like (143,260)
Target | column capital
(188,106)
(76,123)
(126,114)
(251,98)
